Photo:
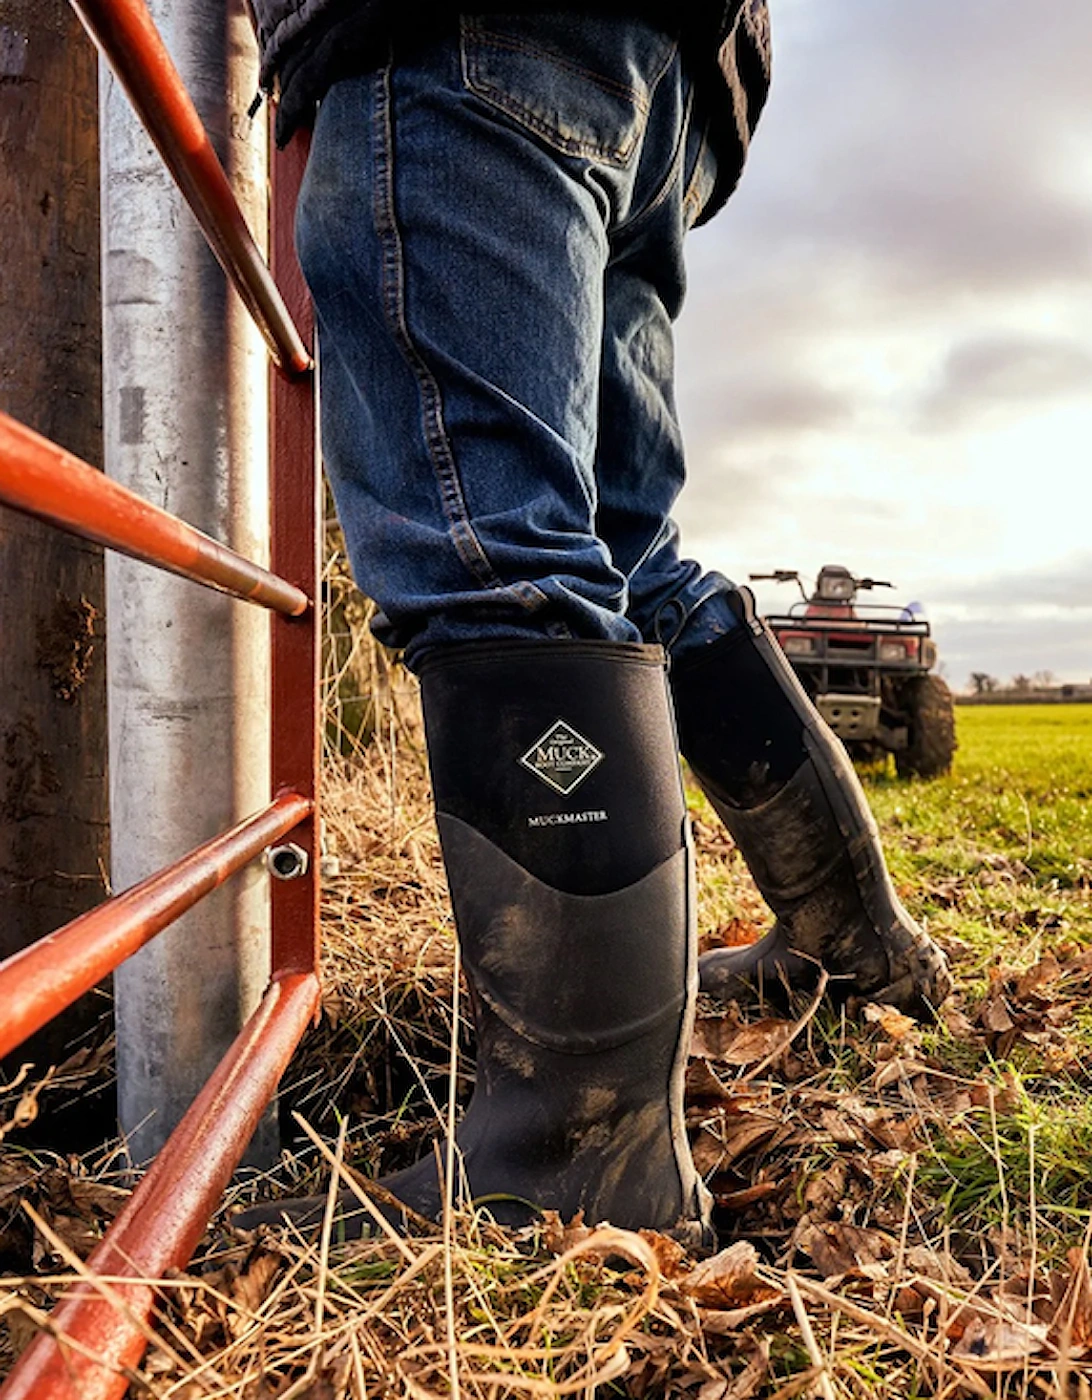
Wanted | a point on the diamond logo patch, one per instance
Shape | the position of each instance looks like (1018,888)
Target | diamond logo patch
(562,758)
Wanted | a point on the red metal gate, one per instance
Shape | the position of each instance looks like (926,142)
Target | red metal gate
(98,1333)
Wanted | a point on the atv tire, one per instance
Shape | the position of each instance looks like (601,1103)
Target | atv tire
(932,730)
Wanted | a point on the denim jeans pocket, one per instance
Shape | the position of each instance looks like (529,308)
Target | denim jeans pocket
(581,83)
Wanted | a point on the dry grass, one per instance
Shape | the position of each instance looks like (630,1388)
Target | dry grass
(844,1154)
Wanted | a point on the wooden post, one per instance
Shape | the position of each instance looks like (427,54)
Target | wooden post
(54,851)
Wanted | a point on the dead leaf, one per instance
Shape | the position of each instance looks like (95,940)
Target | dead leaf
(826,1191)
(558,1237)
(729,1322)
(995,1014)
(252,1286)
(1005,1096)
(22,1329)
(671,1256)
(920,1259)
(960,1027)
(892,1023)
(705,1087)
(718,1038)
(897,1071)
(1071,1328)
(747,1196)
(728,1277)
(1046,971)
(998,1344)
(723,1142)
(837,1248)
(839,1128)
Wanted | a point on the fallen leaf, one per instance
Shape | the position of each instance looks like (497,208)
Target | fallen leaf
(729,1322)
(728,1277)
(1071,1328)
(558,1237)
(723,1142)
(960,1027)
(998,1343)
(920,1259)
(825,1191)
(995,1014)
(251,1288)
(718,1038)
(837,1248)
(746,1384)
(839,1128)
(670,1254)
(747,1196)
(897,1071)
(892,1023)
(1045,971)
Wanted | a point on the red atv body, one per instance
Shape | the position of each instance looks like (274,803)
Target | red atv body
(869,670)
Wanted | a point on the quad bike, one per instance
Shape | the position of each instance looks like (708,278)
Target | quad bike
(869,671)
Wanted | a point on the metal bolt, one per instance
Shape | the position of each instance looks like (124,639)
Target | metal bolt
(287,862)
(329,864)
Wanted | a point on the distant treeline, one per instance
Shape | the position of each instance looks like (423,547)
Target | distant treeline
(1056,695)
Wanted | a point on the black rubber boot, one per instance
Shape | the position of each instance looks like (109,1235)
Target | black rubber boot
(785,788)
(566,844)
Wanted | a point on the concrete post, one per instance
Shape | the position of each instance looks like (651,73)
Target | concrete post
(185,425)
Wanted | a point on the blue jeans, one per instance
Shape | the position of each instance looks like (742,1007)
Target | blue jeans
(491,226)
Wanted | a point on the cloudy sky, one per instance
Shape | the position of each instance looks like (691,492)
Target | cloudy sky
(886,358)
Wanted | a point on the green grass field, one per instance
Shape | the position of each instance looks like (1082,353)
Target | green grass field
(999,853)
(997,860)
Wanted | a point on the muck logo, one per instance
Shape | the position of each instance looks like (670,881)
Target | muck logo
(561,758)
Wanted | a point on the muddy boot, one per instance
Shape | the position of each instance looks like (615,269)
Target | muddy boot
(785,788)
(565,841)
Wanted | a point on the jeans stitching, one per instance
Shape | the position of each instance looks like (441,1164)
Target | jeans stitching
(467,545)
(490,39)
(592,150)
(671,178)
(520,112)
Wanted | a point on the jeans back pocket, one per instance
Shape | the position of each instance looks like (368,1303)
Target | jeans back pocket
(581,83)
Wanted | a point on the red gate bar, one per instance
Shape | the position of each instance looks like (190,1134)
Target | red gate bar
(294,553)
(160,1224)
(38,982)
(126,34)
(40,478)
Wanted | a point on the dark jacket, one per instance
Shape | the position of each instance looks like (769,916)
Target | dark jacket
(308,44)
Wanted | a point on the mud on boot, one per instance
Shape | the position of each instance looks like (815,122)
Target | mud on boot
(566,845)
(785,788)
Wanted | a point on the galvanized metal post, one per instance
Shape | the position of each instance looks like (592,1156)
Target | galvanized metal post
(185,420)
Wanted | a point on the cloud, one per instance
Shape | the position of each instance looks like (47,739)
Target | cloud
(729,497)
(886,356)
(1067,587)
(1004,372)
(765,404)
(930,146)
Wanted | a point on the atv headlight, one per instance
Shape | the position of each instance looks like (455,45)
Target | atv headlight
(795,645)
